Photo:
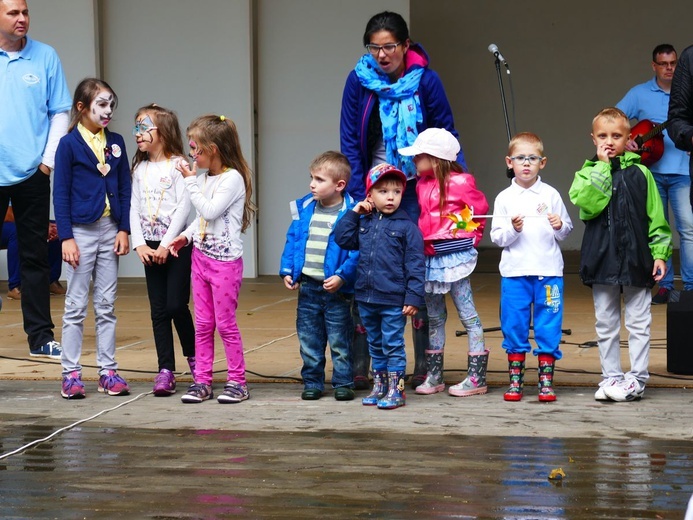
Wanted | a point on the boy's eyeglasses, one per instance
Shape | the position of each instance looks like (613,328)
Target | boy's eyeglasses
(521,159)
(142,128)
(388,48)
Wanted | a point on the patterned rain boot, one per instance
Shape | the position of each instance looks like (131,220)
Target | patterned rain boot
(516,370)
(379,388)
(434,382)
(419,326)
(546,367)
(475,384)
(360,357)
(395,395)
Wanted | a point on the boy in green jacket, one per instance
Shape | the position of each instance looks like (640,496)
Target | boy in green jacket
(626,244)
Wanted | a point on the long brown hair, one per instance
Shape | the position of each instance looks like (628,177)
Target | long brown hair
(166,123)
(212,131)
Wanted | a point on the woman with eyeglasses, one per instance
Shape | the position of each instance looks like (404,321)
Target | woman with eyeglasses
(389,98)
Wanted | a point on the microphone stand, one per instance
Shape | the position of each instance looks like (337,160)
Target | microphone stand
(509,172)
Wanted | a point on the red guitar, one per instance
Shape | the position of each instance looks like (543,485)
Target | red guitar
(648,136)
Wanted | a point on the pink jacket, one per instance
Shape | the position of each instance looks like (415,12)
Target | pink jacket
(461,193)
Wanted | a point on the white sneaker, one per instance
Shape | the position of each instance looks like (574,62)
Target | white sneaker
(600,395)
(627,390)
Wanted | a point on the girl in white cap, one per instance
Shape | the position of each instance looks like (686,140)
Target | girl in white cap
(448,197)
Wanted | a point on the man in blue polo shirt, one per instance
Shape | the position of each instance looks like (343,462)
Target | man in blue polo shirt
(650,100)
(34,105)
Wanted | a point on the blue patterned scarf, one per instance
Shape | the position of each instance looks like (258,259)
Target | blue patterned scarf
(400,109)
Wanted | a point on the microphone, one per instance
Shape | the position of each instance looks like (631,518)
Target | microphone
(493,49)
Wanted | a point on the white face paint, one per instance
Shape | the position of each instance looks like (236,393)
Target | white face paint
(101,110)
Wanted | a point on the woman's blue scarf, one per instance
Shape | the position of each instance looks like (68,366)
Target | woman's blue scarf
(400,109)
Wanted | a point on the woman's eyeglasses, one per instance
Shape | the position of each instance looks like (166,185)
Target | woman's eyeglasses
(388,48)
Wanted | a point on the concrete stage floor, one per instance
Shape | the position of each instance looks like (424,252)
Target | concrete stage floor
(277,456)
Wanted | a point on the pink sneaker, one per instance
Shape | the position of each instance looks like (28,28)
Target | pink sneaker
(164,383)
(72,387)
(112,384)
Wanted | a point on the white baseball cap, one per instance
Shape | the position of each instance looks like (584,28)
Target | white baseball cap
(437,142)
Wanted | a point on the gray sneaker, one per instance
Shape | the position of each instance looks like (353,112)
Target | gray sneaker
(234,393)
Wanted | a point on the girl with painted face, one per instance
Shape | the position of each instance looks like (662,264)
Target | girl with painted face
(222,198)
(91,198)
(158,213)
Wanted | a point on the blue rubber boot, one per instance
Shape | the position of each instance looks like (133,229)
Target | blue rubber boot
(395,395)
(379,389)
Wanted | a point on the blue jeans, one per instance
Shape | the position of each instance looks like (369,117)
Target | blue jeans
(324,317)
(675,189)
(385,330)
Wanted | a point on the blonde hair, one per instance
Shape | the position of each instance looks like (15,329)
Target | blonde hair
(217,135)
(529,138)
(612,114)
(333,163)
(166,123)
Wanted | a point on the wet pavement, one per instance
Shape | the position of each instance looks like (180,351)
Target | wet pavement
(277,456)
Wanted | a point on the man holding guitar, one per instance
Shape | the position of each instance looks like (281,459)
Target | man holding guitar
(649,103)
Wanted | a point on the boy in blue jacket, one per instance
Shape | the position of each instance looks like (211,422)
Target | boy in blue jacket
(324,275)
(390,281)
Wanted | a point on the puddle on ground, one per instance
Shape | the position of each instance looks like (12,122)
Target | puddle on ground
(93,472)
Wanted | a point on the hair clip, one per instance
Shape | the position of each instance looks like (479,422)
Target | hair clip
(223,118)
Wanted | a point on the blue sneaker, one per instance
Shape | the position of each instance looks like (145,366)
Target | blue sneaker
(52,350)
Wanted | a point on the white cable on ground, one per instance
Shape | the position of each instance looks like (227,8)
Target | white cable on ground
(69,427)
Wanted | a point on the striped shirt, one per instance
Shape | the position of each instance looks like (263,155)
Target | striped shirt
(321,225)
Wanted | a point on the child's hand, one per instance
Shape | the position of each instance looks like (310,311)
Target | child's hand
(145,253)
(71,252)
(289,283)
(410,310)
(518,222)
(184,168)
(179,242)
(603,151)
(122,243)
(363,208)
(555,221)
(333,283)
(660,269)
(160,255)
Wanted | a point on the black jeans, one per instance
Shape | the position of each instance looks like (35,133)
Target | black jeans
(168,287)
(31,205)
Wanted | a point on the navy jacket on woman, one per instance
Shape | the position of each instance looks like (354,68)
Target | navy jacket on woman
(391,260)
(357,109)
(79,189)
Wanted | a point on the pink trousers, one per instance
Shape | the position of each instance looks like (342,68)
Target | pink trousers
(215,288)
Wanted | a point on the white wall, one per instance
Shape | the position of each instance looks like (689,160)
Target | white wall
(192,57)
(306,48)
